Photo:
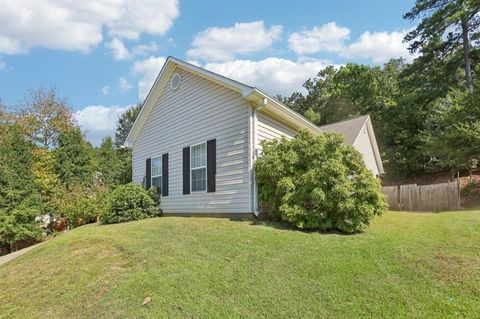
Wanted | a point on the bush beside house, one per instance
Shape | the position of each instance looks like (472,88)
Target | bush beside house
(131,202)
(317,182)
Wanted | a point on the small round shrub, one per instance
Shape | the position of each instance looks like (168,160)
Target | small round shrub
(318,183)
(129,202)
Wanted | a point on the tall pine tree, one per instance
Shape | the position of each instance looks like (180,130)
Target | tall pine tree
(446,26)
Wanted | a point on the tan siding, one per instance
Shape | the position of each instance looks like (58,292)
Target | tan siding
(269,129)
(197,111)
(364,146)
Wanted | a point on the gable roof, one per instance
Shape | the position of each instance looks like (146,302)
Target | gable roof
(348,128)
(351,130)
(254,95)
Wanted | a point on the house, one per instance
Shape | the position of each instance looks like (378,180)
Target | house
(198,135)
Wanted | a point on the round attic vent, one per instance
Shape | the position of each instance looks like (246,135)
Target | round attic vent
(176,80)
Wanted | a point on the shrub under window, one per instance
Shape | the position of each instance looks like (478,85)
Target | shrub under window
(131,202)
(317,182)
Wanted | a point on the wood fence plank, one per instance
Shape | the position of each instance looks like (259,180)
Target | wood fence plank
(413,197)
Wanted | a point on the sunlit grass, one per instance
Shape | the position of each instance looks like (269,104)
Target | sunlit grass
(404,265)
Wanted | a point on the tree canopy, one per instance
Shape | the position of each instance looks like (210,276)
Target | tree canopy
(125,123)
(446,26)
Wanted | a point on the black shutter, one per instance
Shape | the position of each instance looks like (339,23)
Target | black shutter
(148,173)
(165,174)
(211,165)
(186,170)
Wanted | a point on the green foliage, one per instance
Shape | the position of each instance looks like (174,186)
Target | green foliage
(338,94)
(79,204)
(155,195)
(110,163)
(19,224)
(454,134)
(125,123)
(317,182)
(125,155)
(73,159)
(445,31)
(18,206)
(129,202)
(16,178)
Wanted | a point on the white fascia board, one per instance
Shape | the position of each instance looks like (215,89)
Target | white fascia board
(217,78)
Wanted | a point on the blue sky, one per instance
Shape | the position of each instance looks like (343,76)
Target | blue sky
(104,56)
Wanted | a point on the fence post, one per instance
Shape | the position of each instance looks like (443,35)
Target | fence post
(399,202)
(458,190)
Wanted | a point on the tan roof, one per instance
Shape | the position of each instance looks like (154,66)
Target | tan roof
(348,128)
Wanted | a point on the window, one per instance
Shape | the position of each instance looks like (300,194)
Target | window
(157,172)
(198,167)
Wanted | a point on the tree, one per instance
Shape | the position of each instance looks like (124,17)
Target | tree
(44,115)
(17,190)
(109,163)
(73,159)
(46,179)
(453,137)
(17,225)
(317,182)
(16,178)
(125,123)
(446,26)
(338,94)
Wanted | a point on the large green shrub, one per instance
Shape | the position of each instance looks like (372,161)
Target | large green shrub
(317,182)
(130,202)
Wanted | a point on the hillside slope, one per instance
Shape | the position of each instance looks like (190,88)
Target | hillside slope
(404,265)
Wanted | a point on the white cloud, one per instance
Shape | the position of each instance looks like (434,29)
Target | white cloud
(118,49)
(379,47)
(105,90)
(274,75)
(120,52)
(124,84)
(79,25)
(221,44)
(99,121)
(147,71)
(143,49)
(328,37)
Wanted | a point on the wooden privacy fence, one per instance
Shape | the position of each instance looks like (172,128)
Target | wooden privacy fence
(413,197)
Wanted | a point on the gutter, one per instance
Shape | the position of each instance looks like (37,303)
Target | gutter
(262,100)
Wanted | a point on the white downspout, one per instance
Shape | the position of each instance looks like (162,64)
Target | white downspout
(254,157)
(255,109)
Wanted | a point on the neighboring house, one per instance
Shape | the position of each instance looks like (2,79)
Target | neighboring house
(198,135)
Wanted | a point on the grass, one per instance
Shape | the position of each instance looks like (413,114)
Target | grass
(404,265)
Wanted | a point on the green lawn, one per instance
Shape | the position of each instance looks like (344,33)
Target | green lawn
(404,265)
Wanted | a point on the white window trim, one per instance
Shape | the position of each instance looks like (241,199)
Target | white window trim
(200,167)
(161,170)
